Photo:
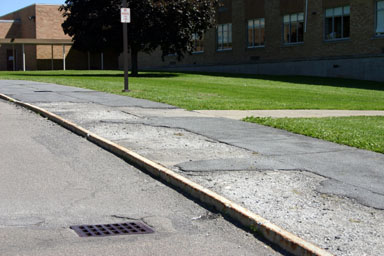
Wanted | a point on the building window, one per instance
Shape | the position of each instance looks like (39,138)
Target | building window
(380,18)
(256,30)
(337,23)
(198,43)
(294,28)
(224,37)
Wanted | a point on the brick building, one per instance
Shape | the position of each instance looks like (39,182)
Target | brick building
(33,38)
(337,38)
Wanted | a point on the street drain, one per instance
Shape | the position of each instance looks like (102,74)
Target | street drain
(116,229)
(43,91)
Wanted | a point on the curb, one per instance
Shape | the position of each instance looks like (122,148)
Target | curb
(276,235)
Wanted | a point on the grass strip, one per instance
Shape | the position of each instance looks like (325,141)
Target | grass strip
(360,132)
(194,91)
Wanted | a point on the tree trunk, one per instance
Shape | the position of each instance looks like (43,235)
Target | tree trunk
(134,59)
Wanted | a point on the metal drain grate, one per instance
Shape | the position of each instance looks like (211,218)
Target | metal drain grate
(116,229)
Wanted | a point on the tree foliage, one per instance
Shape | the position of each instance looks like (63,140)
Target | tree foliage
(168,25)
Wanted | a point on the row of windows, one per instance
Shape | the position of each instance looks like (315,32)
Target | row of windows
(336,26)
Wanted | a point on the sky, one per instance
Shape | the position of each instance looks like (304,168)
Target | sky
(7,6)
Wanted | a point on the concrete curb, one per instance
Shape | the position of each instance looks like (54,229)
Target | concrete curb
(248,219)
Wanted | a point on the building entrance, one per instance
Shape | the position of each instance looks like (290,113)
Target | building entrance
(10,60)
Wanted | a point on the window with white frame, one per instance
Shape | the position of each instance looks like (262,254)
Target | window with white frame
(224,37)
(380,18)
(256,29)
(293,28)
(337,23)
(198,43)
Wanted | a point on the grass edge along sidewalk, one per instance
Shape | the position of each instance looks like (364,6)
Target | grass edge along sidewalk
(364,132)
(218,91)
(271,232)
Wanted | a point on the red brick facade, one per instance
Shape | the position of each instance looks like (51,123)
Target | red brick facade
(362,42)
(44,22)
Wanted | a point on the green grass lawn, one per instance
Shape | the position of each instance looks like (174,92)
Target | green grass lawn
(220,91)
(360,132)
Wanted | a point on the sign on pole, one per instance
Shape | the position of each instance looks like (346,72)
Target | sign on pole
(125,19)
(125,15)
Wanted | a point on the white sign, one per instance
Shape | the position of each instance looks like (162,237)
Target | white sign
(125,15)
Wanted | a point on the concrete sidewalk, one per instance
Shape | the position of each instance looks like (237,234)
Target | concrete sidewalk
(328,194)
(241,114)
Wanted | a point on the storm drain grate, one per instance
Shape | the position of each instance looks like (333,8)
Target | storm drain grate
(116,229)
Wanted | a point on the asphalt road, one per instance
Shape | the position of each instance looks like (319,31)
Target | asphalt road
(51,179)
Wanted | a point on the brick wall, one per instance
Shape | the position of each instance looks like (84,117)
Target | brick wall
(26,28)
(48,26)
(362,41)
(9,30)
(48,22)
(42,22)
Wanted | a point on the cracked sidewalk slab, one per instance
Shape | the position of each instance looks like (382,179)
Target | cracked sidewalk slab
(363,196)
(328,186)
(173,139)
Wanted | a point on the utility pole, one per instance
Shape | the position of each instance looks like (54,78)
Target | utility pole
(125,19)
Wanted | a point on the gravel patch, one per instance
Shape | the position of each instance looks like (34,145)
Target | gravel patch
(290,200)
(164,145)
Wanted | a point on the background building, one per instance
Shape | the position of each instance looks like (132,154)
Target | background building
(37,29)
(336,38)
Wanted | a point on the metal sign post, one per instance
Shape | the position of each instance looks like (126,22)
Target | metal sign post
(125,19)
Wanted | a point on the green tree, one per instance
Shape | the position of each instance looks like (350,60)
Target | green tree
(169,25)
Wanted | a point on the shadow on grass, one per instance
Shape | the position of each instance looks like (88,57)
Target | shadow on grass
(319,81)
(310,80)
(144,75)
